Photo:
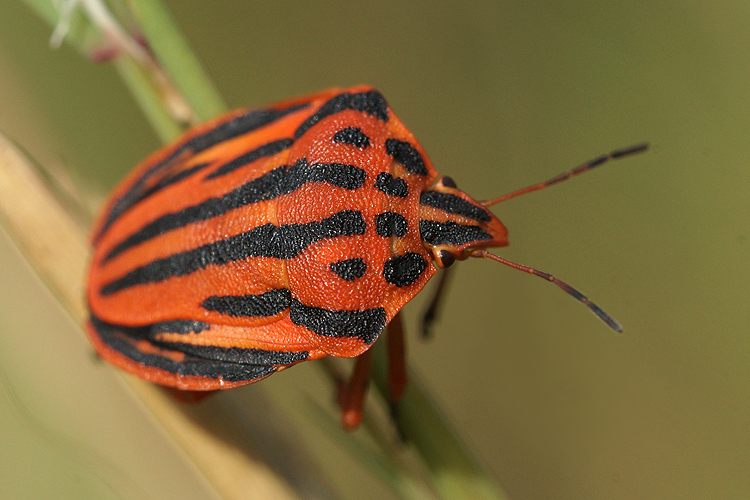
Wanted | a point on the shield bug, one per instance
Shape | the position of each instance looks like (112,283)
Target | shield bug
(271,236)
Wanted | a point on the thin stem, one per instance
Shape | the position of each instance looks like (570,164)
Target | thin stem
(173,52)
(86,28)
(148,98)
(454,470)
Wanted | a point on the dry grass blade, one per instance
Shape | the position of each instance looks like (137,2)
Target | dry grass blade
(53,243)
(57,248)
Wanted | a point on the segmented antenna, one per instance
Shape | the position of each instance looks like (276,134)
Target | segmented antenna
(609,320)
(614,155)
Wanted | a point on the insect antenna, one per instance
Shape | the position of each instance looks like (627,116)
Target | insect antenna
(614,155)
(609,320)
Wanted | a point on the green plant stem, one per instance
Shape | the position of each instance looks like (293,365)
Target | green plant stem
(82,34)
(174,54)
(44,9)
(388,467)
(455,471)
(148,98)
(140,80)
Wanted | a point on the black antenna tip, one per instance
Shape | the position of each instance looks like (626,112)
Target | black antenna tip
(609,320)
(638,148)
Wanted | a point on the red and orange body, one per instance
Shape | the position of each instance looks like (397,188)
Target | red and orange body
(272,236)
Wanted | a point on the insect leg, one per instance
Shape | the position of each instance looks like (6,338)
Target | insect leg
(396,358)
(431,313)
(352,394)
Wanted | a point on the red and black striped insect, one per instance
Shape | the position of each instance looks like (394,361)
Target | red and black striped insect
(267,237)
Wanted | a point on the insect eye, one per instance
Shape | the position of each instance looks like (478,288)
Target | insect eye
(448,182)
(446,258)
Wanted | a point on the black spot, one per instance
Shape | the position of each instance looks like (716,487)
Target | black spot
(264,304)
(126,339)
(263,151)
(338,174)
(390,223)
(404,270)
(235,127)
(281,242)
(372,102)
(281,180)
(450,233)
(407,155)
(349,269)
(392,186)
(366,324)
(454,205)
(352,136)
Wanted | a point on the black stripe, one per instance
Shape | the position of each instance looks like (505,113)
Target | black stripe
(450,233)
(392,186)
(264,304)
(366,324)
(117,338)
(181,326)
(269,149)
(390,223)
(352,136)
(235,127)
(407,155)
(238,355)
(349,269)
(281,180)
(405,269)
(454,205)
(168,180)
(232,355)
(281,242)
(372,103)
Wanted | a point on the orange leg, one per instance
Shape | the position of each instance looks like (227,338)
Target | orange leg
(396,358)
(352,395)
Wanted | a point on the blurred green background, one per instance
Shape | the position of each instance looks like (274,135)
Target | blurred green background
(501,95)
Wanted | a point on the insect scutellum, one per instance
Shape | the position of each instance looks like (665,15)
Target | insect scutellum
(454,226)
